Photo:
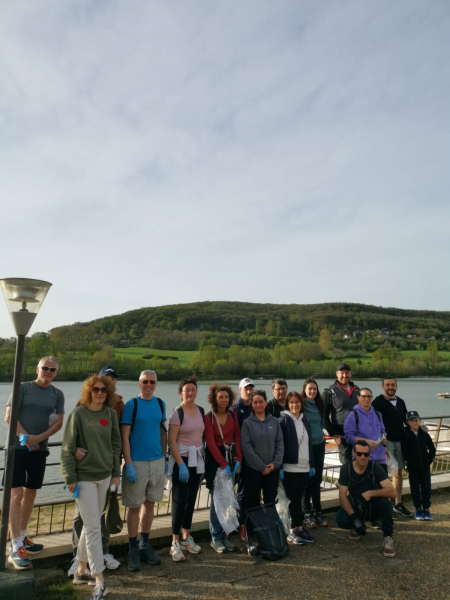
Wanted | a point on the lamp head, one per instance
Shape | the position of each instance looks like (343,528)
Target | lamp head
(24,298)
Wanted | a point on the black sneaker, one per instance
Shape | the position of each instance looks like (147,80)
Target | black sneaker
(134,559)
(374,524)
(147,553)
(401,509)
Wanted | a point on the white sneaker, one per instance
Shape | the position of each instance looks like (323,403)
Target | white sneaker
(73,567)
(176,552)
(111,563)
(190,545)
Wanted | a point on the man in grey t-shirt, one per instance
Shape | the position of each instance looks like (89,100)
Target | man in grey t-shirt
(41,414)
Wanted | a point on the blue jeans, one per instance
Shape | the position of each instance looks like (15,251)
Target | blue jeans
(214,524)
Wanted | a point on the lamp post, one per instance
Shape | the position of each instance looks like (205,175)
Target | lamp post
(24,298)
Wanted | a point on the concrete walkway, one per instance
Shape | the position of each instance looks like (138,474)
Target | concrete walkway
(333,566)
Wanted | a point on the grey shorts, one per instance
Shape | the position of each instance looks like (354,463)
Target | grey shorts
(395,450)
(149,486)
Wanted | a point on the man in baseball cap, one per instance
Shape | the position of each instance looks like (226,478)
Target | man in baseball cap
(340,399)
(243,408)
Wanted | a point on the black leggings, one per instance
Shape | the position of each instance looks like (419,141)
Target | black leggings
(255,481)
(294,486)
(184,496)
(313,485)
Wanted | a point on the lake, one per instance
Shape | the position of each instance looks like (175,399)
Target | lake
(418,393)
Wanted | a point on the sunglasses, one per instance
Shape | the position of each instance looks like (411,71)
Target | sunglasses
(146,381)
(366,454)
(97,390)
(51,369)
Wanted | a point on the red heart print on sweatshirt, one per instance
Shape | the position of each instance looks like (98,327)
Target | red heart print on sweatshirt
(104,422)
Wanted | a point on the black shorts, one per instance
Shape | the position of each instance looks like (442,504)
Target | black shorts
(29,469)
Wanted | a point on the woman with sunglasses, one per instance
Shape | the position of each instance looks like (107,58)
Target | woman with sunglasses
(222,434)
(93,426)
(298,463)
(314,411)
(186,466)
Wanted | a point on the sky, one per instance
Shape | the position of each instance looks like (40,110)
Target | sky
(156,152)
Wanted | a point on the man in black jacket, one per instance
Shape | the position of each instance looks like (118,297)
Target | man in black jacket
(419,452)
(340,399)
(393,411)
(278,403)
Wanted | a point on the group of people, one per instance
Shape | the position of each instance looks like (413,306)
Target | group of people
(254,441)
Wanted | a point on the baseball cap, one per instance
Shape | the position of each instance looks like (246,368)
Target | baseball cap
(105,371)
(245,382)
(343,367)
(412,414)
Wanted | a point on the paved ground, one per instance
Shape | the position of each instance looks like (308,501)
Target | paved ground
(333,566)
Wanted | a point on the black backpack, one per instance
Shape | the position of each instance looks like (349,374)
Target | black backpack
(268,529)
(180,411)
(135,409)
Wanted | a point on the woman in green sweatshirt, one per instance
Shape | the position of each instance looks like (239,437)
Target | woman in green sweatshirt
(94,427)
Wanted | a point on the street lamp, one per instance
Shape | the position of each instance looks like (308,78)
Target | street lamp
(24,298)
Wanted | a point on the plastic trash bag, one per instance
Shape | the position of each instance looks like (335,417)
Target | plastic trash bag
(113,520)
(225,501)
(392,466)
(282,504)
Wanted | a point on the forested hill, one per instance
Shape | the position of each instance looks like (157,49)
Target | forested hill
(190,323)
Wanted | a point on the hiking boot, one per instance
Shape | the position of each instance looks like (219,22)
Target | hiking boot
(190,545)
(427,515)
(243,533)
(373,524)
(176,552)
(147,553)
(111,563)
(31,547)
(304,535)
(293,538)
(99,592)
(319,520)
(19,560)
(218,546)
(309,521)
(134,559)
(228,543)
(388,547)
(401,509)
(419,514)
(353,535)
(85,578)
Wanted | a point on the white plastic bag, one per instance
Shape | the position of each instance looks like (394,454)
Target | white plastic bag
(392,466)
(283,508)
(225,501)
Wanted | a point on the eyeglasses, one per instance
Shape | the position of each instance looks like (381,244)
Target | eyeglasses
(147,381)
(51,369)
(97,390)
(366,454)
(365,396)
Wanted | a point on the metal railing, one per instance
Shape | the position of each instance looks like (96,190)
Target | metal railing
(56,517)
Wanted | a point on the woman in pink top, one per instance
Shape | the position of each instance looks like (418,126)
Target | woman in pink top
(221,434)
(186,430)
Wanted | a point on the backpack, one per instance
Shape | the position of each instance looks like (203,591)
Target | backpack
(180,411)
(268,529)
(355,412)
(135,408)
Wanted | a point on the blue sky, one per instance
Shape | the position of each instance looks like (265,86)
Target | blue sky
(165,152)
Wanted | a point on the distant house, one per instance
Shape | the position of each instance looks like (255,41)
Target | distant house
(386,331)
(411,336)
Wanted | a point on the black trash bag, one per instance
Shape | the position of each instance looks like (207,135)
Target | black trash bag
(269,531)
(113,520)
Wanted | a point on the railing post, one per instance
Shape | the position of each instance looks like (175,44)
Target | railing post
(438,430)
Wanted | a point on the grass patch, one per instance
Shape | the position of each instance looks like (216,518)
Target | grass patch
(184,356)
(57,591)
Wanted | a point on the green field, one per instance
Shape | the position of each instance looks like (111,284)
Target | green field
(184,356)
(420,353)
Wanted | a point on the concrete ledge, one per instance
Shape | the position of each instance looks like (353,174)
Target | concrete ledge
(61,543)
(17,585)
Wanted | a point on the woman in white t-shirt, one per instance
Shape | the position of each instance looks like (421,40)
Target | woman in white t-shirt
(298,464)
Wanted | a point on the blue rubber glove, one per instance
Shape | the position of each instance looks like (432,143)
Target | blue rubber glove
(166,467)
(130,473)
(281,474)
(312,472)
(75,491)
(23,440)
(227,471)
(237,464)
(183,473)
